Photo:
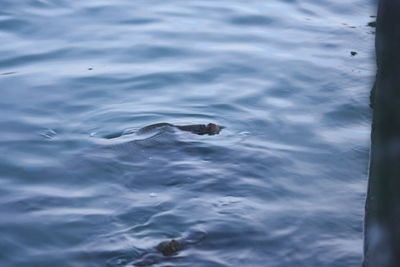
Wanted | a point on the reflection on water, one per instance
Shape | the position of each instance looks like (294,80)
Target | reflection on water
(282,185)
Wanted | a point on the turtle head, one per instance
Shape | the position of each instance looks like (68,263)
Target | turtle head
(213,128)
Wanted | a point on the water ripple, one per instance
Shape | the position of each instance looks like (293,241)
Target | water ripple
(282,184)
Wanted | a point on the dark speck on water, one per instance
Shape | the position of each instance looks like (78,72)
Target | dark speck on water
(282,185)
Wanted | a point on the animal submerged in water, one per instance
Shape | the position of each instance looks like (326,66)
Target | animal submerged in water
(169,248)
(200,129)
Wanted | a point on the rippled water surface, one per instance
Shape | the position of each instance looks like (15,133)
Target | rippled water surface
(282,185)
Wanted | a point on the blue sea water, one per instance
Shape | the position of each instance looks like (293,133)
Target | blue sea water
(282,185)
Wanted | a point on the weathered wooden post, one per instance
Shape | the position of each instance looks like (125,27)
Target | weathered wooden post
(382,213)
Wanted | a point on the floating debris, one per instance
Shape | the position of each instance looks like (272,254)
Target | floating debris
(353,53)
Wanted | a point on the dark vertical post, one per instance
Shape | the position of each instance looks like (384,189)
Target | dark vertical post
(382,216)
